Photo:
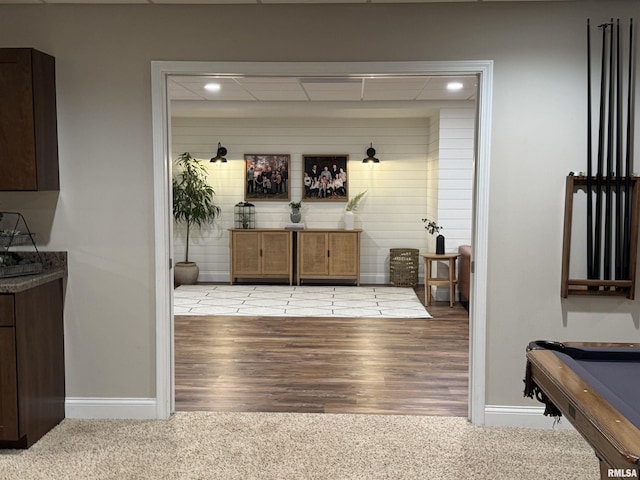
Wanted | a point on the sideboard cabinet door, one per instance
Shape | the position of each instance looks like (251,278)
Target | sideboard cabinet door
(328,255)
(245,254)
(276,253)
(28,122)
(313,249)
(260,254)
(344,259)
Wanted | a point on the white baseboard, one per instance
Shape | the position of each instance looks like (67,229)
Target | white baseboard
(115,408)
(522,417)
(145,409)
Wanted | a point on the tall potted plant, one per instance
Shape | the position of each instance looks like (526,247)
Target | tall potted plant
(192,205)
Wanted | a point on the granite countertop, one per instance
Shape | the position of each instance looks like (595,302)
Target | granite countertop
(55,267)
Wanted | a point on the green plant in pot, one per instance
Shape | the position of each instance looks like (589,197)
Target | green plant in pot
(295,216)
(352,206)
(193,205)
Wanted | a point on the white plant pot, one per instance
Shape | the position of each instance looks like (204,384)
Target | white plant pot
(185,273)
(349,219)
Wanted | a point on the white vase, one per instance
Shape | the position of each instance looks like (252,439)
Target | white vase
(349,218)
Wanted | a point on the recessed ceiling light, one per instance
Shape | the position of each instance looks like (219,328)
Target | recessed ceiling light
(212,87)
(454,86)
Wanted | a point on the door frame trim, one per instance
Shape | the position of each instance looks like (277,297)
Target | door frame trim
(163,225)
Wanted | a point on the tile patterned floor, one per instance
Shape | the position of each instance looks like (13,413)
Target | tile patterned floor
(298,301)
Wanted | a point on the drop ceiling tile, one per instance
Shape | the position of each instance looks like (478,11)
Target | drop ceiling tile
(178,92)
(230,90)
(274,89)
(393,88)
(333,89)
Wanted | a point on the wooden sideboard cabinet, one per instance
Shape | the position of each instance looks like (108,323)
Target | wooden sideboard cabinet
(32,388)
(328,254)
(261,253)
(28,121)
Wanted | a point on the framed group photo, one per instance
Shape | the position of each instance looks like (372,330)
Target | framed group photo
(325,178)
(267,177)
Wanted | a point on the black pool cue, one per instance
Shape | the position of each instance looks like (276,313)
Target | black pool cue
(619,214)
(608,225)
(589,161)
(598,223)
(629,156)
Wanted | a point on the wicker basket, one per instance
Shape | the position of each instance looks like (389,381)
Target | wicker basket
(403,267)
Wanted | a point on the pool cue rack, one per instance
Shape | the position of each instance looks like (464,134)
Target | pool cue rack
(602,286)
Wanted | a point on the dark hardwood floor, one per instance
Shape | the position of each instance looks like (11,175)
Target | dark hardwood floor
(332,365)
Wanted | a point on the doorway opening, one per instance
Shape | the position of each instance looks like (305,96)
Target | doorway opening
(161,74)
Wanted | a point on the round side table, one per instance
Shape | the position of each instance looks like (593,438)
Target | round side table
(450,281)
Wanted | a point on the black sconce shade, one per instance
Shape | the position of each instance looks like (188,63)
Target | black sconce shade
(219,158)
(371,159)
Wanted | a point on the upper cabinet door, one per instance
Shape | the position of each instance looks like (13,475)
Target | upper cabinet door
(28,121)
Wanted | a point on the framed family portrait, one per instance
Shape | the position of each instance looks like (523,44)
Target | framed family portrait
(325,178)
(267,177)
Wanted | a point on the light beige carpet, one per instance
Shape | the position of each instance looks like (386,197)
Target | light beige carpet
(299,446)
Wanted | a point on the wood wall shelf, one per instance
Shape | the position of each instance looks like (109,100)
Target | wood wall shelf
(599,287)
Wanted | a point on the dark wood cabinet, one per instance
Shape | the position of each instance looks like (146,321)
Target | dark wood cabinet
(28,122)
(32,388)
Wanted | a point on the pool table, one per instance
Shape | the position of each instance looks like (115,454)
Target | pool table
(597,387)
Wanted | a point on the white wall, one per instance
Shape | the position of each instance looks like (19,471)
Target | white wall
(450,180)
(455,175)
(390,213)
(103,214)
(400,190)
(433,179)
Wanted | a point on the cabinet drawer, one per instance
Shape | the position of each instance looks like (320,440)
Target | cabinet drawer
(6,310)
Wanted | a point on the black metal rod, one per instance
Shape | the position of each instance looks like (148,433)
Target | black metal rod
(618,239)
(608,224)
(598,221)
(589,161)
(629,156)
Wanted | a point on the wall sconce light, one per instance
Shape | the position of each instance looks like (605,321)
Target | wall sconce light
(219,158)
(371,159)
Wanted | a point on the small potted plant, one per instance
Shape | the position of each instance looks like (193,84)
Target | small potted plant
(192,205)
(352,206)
(432,227)
(295,214)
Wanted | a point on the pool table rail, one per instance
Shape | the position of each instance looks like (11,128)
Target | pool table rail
(615,439)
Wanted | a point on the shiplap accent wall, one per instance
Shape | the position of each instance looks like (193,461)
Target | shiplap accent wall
(455,175)
(390,213)
(450,181)
(433,165)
